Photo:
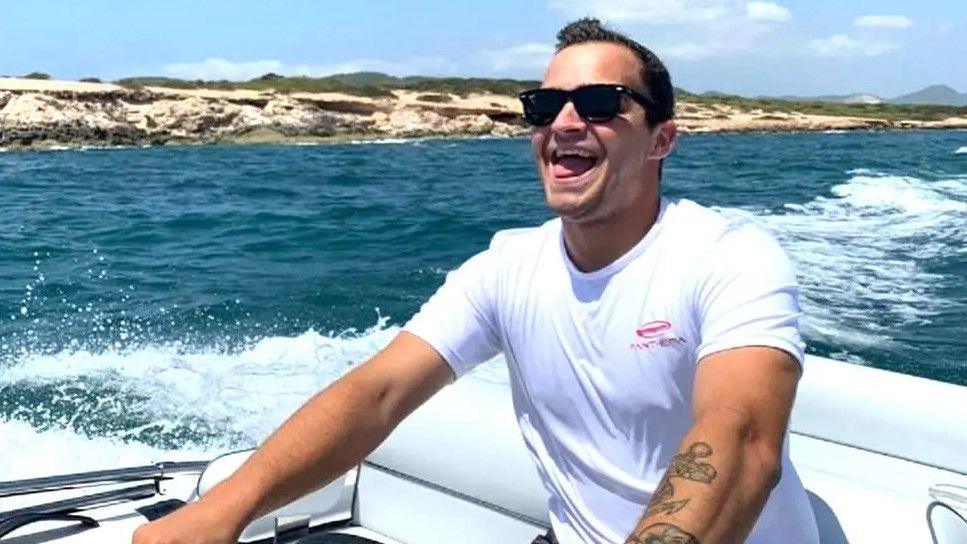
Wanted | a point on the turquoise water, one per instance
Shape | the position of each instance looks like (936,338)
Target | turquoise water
(191,297)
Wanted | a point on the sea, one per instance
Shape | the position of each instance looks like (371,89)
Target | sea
(172,303)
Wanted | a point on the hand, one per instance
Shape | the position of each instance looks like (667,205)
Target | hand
(196,523)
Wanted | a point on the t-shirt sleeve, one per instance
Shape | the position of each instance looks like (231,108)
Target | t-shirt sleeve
(746,294)
(459,321)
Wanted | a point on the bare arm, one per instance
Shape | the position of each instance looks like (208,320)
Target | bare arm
(729,461)
(329,435)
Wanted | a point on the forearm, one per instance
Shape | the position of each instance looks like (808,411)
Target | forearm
(329,435)
(714,488)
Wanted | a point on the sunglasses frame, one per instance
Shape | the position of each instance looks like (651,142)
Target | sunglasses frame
(569,96)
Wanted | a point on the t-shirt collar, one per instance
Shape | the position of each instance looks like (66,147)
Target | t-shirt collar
(621,261)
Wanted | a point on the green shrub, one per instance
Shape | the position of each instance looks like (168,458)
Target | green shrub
(434,97)
(439,89)
(36,75)
(880,111)
(463,86)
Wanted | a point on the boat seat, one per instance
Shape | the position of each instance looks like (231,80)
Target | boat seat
(871,445)
(328,505)
(455,470)
(334,538)
(947,526)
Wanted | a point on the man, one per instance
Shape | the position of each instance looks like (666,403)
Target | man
(653,346)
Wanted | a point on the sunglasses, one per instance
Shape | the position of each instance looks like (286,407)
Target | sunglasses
(598,103)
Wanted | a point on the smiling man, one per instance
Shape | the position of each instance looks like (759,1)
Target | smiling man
(653,345)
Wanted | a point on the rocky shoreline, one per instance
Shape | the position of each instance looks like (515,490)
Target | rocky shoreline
(45,114)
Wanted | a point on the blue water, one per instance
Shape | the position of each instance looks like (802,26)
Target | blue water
(192,296)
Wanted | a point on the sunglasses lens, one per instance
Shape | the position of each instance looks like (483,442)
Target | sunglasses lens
(597,104)
(542,106)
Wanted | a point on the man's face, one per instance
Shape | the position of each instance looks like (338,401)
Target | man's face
(613,177)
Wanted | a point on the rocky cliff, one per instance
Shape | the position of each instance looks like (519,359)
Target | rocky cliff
(37,113)
(41,113)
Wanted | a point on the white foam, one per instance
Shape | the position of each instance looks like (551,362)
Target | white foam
(862,249)
(247,394)
(30,453)
(385,141)
(962,150)
(102,147)
(33,454)
(82,148)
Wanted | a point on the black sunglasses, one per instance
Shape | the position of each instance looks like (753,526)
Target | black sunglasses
(598,103)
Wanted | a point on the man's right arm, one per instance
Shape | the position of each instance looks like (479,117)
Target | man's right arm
(329,435)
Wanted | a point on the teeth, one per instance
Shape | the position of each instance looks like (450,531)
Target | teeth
(574,153)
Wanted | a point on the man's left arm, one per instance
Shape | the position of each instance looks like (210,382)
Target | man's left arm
(730,460)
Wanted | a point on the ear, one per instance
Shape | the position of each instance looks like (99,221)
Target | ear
(665,135)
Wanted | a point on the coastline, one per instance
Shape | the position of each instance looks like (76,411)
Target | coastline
(44,114)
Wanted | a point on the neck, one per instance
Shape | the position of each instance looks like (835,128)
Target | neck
(593,245)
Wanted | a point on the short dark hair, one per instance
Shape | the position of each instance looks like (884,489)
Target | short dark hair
(654,75)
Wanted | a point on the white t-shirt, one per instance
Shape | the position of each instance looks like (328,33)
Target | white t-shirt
(602,364)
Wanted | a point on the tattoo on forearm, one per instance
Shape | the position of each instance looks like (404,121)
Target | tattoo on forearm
(662,501)
(688,467)
(662,533)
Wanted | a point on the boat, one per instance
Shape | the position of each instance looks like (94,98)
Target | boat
(882,455)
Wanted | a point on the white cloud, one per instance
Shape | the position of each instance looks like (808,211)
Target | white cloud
(688,30)
(522,57)
(214,68)
(841,45)
(647,11)
(766,11)
(884,21)
(528,57)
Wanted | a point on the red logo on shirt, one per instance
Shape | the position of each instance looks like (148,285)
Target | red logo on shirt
(653,328)
(657,333)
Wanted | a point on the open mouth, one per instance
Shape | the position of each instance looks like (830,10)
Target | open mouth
(568,164)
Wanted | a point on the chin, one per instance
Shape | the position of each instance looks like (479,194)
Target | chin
(570,209)
(573,203)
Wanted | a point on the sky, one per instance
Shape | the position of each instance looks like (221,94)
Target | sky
(752,48)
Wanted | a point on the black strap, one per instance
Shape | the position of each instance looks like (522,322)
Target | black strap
(66,506)
(334,538)
(546,538)
(12,523)
(160,509)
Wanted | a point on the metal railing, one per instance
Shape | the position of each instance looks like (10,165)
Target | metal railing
(64,509)
(159,471)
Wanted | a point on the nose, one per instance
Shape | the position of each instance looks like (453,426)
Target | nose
(568,120)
